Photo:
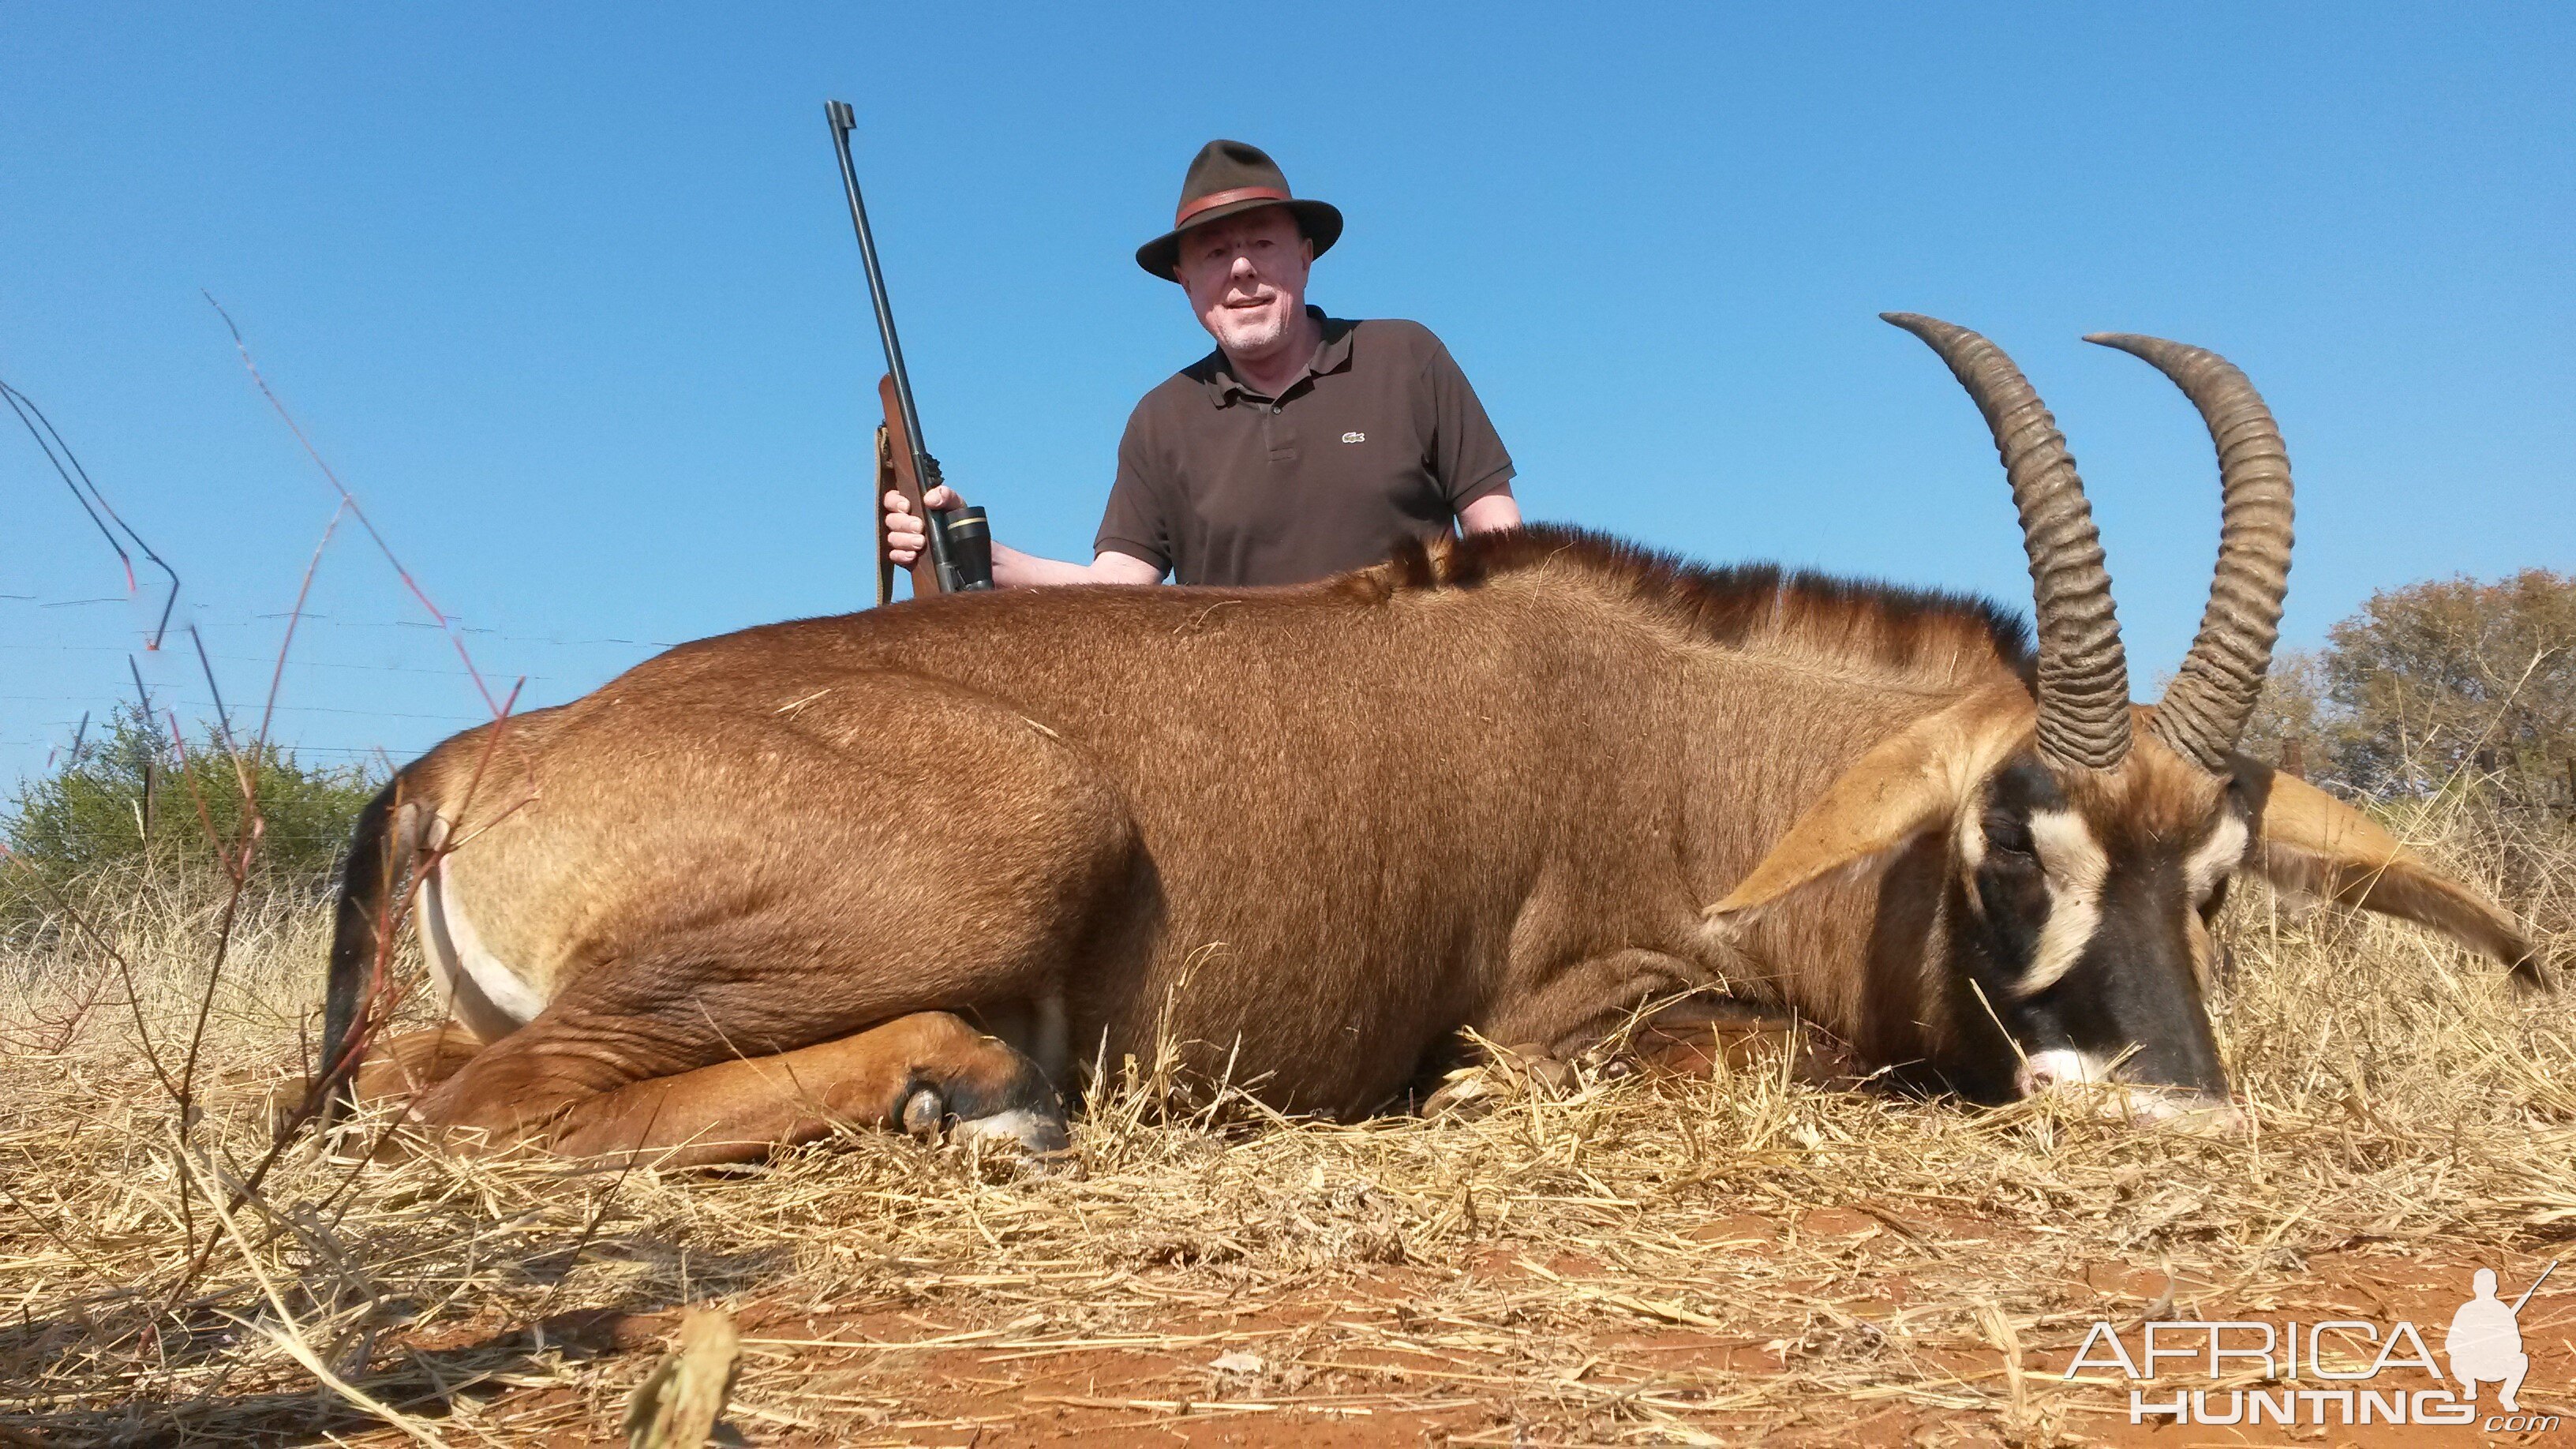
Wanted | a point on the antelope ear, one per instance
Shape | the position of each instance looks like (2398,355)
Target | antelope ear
(1914,782)
(2310,840)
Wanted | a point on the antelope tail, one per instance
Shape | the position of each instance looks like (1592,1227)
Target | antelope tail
(367,891)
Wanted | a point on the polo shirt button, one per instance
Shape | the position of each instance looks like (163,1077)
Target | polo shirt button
(1274,407)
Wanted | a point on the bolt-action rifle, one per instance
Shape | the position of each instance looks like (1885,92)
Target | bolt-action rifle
(2534,1288)
(960,556)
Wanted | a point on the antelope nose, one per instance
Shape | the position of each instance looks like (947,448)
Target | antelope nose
(2055,1067)
(2176,1108)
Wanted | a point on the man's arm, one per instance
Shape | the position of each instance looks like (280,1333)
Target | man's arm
(1131,505)
(1483,515)
(1012,569)
(1467,456)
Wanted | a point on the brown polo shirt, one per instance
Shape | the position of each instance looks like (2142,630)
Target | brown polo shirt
(1378,440)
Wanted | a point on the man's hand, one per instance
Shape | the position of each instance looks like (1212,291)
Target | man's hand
(906,534)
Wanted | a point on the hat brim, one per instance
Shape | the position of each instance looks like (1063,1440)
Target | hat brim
(1321,221)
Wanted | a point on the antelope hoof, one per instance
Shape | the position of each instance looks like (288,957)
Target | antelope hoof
(1553,1076)
(923,1114)
(282,1103)
(1038,1134)
(1467,1094)
(1033,1129)
(1606,1063)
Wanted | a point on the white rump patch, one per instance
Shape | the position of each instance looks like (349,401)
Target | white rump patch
(455,952)
(2075,866)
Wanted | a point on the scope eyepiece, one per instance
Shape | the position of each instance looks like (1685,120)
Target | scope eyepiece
(970,549)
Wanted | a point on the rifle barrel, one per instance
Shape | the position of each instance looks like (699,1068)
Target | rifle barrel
(842,120)
(2535,1285)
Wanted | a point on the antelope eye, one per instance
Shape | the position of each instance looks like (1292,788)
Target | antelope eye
(2007,834)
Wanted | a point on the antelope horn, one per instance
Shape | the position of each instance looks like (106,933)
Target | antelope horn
(2083,672)
(2213,693)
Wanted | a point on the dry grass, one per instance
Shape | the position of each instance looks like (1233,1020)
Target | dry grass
(1666,1259)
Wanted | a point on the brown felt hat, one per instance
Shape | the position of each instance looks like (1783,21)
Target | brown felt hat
(1227,177)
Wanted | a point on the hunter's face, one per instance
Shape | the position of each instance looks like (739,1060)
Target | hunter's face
(1246,279)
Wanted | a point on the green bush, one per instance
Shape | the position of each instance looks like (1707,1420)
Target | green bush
(136,800)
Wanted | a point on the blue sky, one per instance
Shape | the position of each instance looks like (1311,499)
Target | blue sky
(568,297)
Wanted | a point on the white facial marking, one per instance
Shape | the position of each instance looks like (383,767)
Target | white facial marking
(2217,856)
(2062,1067)
(455,949)
(1968,838)
(2059,1066)
(2074,866)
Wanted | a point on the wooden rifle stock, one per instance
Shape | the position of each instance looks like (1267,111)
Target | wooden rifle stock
(895,475)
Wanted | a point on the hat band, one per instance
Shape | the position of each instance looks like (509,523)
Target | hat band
(1216,199)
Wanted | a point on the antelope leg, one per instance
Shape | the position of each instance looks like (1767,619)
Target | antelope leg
(397,1068)
(919,1073)
(414,1062)
(1578,1006)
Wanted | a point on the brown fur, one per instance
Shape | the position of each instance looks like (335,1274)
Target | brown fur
(1306,833)
(1924,634)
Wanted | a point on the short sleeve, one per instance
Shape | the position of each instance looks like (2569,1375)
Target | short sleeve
(1467,455)
(1137,522)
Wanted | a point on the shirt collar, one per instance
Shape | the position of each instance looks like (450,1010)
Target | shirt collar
(1332,354)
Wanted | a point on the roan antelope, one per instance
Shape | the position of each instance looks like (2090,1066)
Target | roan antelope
(899,868)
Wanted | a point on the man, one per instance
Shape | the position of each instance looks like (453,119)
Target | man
(1304,445)
(2485,1343)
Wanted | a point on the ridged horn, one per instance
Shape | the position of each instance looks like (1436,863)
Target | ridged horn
(2213,693)
(2083,672)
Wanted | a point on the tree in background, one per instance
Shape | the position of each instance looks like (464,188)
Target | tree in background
(137,798)
(2451,684)
(2453,680)
(2293,723)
